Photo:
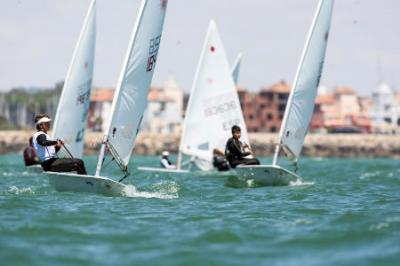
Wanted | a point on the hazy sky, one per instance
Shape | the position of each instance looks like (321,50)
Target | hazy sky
(37,39)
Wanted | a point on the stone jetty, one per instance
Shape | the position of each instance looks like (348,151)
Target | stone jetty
(316,145)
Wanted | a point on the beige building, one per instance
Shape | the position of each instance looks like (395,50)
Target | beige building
(385,113)
(100,108)
(163,113)
(342,110)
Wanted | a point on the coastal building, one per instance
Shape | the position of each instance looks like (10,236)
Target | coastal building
(164,109)
(270,106)
(341,111)
(100,108)
(336,110)
(385,113)
(247,101)
(263,111)
(163,113)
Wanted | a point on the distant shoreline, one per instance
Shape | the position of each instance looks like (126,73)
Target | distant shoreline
(316,145)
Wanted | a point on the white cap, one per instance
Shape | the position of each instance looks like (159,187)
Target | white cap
(43,120)
(165,153)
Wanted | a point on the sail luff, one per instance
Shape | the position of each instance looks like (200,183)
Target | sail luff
(236,68)
(119,86)
(89,27)
(190,102)
(137,72)
(315,60)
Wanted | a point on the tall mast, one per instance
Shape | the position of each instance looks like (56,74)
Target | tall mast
(306,82)
(118,89)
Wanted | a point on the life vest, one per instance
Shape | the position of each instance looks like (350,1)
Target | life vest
(43,152)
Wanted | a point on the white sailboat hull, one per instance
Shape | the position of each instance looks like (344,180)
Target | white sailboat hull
(162,170)
(266,175)
(85,183)
(213,102)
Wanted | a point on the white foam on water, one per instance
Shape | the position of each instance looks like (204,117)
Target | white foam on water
(132,192)
(8,174)
(385,224)
(300,222)
(250,182)
(379,226)
(15,190)
(370,174)
(299,182)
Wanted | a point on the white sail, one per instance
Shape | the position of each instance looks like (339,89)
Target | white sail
(236,68)
(213,106)
(299,110)
(72,111)
(131,93)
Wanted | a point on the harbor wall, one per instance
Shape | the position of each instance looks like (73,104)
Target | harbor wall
(316,145)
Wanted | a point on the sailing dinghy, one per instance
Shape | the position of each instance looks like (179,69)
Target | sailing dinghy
(213,108)
(72,111)
(300,106)
(128,105)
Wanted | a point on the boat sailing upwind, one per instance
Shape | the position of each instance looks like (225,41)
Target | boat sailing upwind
(213,102)
(300,106)
(128,105)
(72,111)
(213,108)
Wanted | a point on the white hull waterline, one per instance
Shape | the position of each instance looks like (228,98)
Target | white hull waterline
(162,170)
(85,183)
(266,175)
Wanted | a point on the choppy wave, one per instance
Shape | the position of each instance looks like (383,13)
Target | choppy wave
(368,175)
(300,182)
(15,190)
(205,221)
(162,190)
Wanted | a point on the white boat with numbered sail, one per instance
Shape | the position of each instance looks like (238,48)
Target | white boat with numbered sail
(300,106)
(213,108)
(128,105)
(72,111)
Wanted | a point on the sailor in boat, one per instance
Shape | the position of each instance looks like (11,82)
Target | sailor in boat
(236,151)
(30,157)
(46,149)
(165,162)
(219,160)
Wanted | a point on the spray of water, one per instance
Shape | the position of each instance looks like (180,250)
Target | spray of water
(15,190)
(161,191)
(299,182)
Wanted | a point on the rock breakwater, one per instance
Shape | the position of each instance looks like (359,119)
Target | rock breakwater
(316,145)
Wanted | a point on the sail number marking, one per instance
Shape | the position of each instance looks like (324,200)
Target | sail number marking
(220,108)
(154,45)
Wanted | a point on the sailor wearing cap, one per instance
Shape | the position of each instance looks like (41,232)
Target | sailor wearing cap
(165,162)
(46,149)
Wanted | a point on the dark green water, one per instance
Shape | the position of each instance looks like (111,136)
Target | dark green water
(346,212)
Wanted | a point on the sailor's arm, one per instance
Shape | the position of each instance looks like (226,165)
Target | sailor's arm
(42,140)
(238,150)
